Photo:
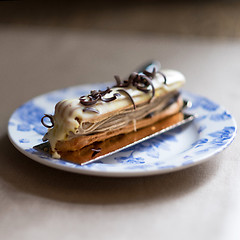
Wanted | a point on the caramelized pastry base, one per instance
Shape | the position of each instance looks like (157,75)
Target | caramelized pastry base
(111,144)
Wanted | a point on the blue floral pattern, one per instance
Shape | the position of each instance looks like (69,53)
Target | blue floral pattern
(221,137)
(220,116)
(212,131)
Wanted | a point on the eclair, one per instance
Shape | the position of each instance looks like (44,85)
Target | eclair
(131,104)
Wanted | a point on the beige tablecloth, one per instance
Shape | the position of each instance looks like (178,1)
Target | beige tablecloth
(38,202)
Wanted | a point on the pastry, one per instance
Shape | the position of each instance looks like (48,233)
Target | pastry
(132,104)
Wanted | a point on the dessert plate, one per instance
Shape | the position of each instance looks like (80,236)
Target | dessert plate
(193,143)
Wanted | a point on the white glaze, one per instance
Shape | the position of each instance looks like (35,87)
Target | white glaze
(67,111)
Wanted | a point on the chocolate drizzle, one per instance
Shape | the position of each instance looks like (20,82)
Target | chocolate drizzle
(50,118)
(95,96)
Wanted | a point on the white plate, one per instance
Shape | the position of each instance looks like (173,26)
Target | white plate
(188,145)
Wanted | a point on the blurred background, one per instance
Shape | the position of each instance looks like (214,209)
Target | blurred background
(49,45)
(210,18)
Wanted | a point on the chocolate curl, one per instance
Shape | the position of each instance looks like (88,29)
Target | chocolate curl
(164,77)
(51,120)
(89,102)
(115,95)
(94,96)
(140,81)
(129,96)
(150,74)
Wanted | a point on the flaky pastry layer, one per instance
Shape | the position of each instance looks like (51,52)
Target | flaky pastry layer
(79,142)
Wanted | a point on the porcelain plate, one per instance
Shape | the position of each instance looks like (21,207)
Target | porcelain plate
(211,132)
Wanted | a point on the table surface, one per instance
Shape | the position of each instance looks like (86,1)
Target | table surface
(38,202)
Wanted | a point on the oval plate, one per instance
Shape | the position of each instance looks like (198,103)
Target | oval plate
(188,145)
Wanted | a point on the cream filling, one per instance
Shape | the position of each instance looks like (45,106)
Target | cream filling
(70,120)
(124,117)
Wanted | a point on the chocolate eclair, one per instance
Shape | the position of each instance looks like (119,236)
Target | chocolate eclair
(131,104)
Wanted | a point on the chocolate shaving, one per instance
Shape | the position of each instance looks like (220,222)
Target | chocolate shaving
(150,74)
(140,81)
(118,80)
(90,109)
(132,78)
(51,120)
(130,97)
(165,78)
(111,98)
(89,102)
(143,83)
(94,96)
(103,93)
(95,151)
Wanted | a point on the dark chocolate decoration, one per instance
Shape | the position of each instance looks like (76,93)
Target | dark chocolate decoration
(165,78)
(150,74)
(95,95)
(153,74)
(115,95)
(130,97)
(139,80)
(90,109)
(51,120)
(103,93)
(118,80)
(89,102)
(95,151)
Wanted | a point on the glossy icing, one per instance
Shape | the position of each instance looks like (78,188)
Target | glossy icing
(70,118)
